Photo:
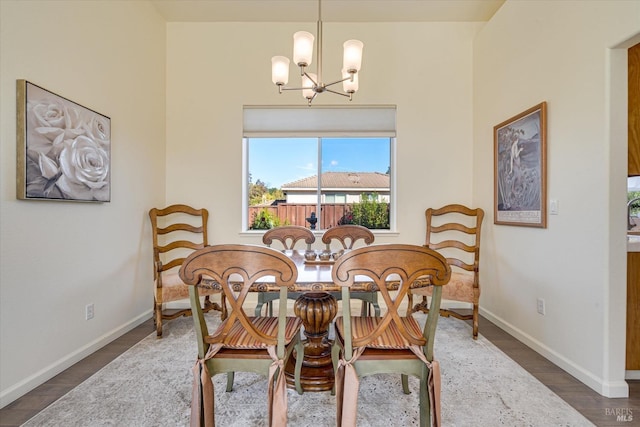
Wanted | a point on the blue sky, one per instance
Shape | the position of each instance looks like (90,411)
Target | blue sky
(276,161)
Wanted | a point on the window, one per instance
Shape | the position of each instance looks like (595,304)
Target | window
(633,203)
(282,168)
(333,198)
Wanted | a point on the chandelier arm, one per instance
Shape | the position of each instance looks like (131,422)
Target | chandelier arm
(317,83)
(338,93)
(337,81)
(348,95)
(293,88)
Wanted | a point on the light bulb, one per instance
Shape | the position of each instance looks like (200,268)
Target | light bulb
(352,59)
(280,70)
(302,48)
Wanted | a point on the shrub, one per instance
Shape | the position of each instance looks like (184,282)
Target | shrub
(370,213)
(264,220)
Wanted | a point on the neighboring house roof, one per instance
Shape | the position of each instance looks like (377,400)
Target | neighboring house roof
(341,180)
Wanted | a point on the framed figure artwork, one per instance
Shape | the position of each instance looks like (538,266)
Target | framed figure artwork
(520,169)
(63,148)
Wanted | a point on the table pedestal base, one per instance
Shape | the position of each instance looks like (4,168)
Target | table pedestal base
(317,310)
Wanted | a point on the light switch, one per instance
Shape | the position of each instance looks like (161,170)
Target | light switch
(553,206)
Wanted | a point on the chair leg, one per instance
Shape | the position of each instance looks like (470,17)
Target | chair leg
(475,321)
(409,302)
(223,306)
(425,407)
(230,376)
(369,305)
(335,358)
(158,319)
(263,299)
(211,305)
(376,309)
(364,310)
(421,306)
(154,313)
(405,384)
(298,367)
(258,311)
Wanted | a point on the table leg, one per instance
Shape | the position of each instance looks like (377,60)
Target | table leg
(317,310)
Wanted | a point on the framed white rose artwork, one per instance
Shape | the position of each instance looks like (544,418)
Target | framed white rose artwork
(64,149)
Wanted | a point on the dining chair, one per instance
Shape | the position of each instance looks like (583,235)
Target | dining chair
(288,236)
(348,236)
(393,343)
(177,230)
(261,345)
(454,231)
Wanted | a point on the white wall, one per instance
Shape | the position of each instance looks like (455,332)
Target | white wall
(56,257)
(216,68)
(559,52)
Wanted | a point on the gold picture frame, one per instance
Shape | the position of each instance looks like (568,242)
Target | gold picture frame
(520,169)
(63,148)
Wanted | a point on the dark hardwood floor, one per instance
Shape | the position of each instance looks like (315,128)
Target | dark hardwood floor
(599,410)
(22,409)
(603,412)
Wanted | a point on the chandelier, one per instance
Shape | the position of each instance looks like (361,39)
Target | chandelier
(312,84)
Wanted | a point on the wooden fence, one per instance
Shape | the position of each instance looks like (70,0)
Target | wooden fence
(297,214)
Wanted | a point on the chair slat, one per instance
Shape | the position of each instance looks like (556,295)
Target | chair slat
(180,244)
(181,227)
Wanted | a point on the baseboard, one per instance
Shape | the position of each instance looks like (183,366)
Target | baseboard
(23,387)
(605,388)
(632,375)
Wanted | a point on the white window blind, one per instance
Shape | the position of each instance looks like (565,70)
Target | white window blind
(319,121)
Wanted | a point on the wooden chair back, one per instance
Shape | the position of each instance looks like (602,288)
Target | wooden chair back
(288,236)
(236,268)
(348,235)
(380,263)
(454,231)
(177,230)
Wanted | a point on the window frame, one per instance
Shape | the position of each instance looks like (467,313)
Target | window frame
(377,121)
(392,188)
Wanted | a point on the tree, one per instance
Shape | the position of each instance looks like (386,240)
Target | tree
(256,191)
(276,194)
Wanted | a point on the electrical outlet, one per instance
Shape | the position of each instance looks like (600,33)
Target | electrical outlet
(541,307)
(88,311)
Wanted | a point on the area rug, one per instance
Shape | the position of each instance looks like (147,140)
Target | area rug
(150,385)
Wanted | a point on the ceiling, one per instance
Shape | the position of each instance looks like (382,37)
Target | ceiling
(332,10)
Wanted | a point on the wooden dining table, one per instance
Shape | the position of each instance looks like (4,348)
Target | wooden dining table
(316,307)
